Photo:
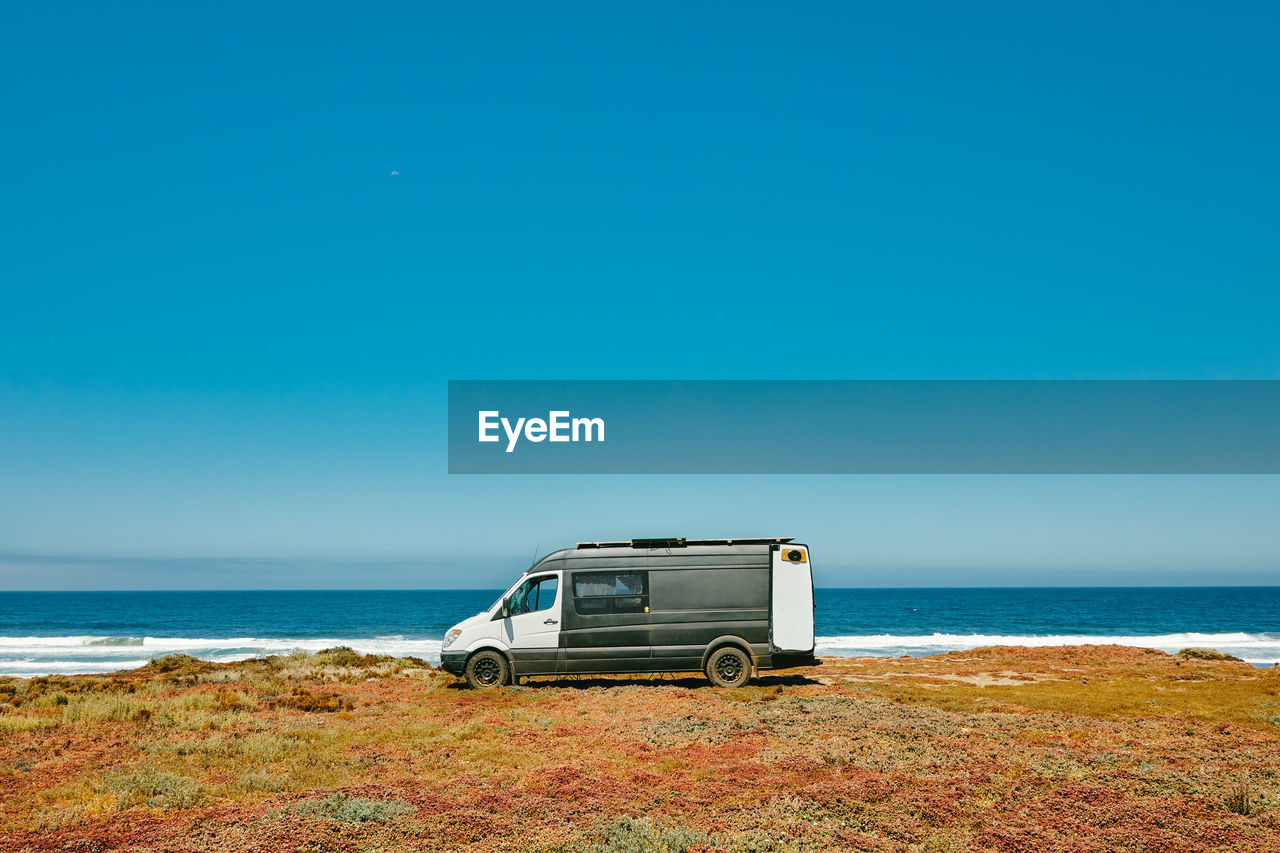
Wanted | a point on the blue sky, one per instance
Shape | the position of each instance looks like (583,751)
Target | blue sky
(226,325)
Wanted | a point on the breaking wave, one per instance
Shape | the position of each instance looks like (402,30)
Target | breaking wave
(33,656)
(75,655)
(1258,649)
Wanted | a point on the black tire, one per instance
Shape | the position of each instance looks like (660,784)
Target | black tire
(729,667)
(487,670)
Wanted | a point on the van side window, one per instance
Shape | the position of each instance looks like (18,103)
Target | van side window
(611,592)
(533,595)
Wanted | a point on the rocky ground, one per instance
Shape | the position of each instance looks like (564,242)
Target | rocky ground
(1008,749)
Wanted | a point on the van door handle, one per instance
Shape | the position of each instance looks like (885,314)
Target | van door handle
(549,622)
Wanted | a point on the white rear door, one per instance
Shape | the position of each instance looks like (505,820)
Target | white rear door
(791,604)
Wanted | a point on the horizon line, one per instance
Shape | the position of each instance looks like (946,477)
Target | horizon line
(499,589)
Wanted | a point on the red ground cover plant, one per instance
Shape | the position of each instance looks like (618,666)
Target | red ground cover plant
(1006,749)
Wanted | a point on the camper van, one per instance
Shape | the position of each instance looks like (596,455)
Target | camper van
(724,607)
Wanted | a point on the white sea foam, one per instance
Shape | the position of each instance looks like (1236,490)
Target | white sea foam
(1254,648)
(32,656)
(29,656)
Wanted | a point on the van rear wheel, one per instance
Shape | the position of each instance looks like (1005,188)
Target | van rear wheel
(729,667)
(487,670)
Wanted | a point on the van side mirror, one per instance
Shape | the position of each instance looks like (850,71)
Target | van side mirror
(506,609)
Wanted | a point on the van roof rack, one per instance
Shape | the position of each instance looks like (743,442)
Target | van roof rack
(684,543)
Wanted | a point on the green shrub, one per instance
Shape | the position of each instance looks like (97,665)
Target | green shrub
(12,723)
(640,835)
(1207,654)
(92,707)
(152,788)
(343,656)
(261,780)
(346,809)
(267,747)
(170,663)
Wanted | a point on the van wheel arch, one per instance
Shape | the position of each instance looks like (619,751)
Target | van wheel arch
(720,642)
(511,664)
(506,653)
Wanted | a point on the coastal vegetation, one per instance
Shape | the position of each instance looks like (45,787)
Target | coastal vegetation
(1086,748)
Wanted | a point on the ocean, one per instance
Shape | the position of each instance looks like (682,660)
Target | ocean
(42,633)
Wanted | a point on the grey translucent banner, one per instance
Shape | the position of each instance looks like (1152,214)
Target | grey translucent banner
(864,427)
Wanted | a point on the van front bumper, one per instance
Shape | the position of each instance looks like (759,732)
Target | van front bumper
(453,662)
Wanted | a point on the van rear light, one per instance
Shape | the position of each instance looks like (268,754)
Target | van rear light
(793,555)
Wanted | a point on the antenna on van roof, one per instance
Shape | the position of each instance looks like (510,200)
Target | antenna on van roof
(536,549)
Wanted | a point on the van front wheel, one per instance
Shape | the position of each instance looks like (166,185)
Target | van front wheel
(487,670)
(729,667)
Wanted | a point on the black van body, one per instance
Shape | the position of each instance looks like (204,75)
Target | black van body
(649,606)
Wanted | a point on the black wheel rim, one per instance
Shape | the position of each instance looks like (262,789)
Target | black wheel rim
(487,671)
(729,668)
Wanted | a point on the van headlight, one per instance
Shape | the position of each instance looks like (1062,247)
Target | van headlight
(451,637)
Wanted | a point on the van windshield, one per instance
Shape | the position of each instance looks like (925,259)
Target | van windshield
(534,595)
